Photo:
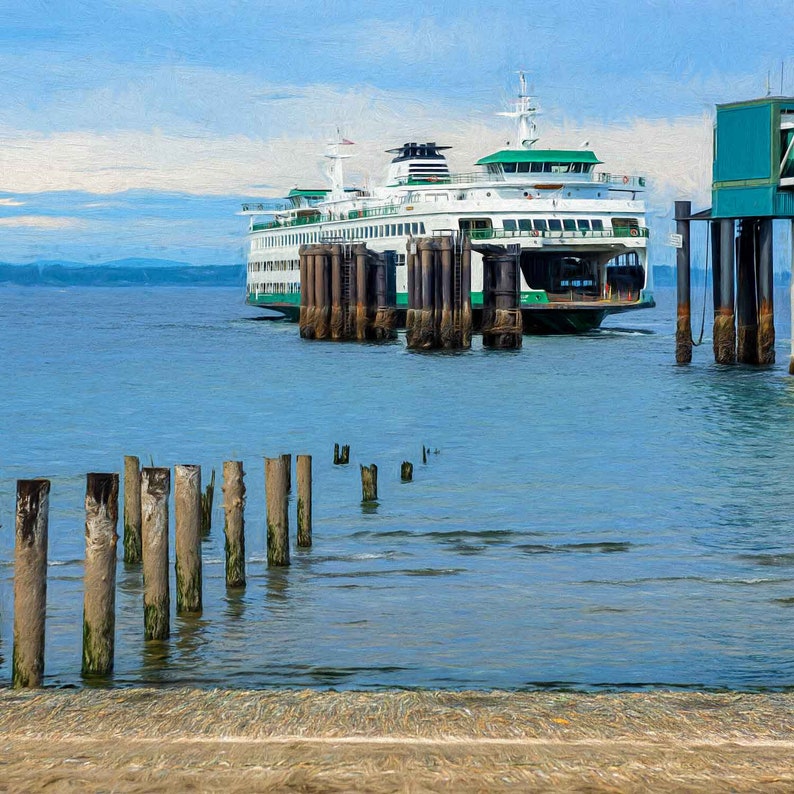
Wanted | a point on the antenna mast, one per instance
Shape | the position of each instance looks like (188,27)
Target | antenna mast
(525,113)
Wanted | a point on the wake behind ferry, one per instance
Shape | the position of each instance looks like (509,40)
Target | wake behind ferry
(580,231)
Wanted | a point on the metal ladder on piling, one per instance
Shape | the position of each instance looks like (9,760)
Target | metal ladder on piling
(457,284)
(347,254)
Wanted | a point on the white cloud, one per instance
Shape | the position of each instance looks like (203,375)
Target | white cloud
(11,202)
(44,222)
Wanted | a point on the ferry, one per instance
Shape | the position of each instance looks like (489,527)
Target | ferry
(579,231)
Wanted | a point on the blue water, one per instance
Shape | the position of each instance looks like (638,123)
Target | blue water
(595,516)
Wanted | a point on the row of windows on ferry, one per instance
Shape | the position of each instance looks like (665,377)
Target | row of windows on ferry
(352,233)
(553,224)
(278,287)
(547,168)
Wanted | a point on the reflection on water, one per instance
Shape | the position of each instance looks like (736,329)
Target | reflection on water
(596,516)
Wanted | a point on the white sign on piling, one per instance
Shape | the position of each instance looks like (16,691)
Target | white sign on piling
(675,240)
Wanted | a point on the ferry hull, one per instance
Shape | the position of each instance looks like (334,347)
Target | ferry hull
(543,319)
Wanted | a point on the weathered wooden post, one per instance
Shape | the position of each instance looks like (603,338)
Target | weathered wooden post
(715,229)
(345,456)
(337,318)
(99,588)
(187,517)
(362,296)
(369,483)
(683,329)
(155,489)
(30,582)
(446,326)
(287,458)
(277,512)
(307,295)
(410,262)
(304,476)
(322,299)
(303,272)
(426,331)
(766,286)
(407,471)
(234,527)
(337,460)
(746,307)
(724,324)
(465,321)
(132,509)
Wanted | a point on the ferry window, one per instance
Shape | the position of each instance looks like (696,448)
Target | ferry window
(422,228)
(536,168)
(540,225)
(598,225)
(555,225)
(546,168)
(399,229)
(569,224)
(523,168)
(380,231)
(509,225)
(510,168)
(414,228)
(576,168)
(559,168)
(583,225)
(525,224)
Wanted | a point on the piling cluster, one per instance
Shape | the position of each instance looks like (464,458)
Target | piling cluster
(742,283)
(502,325)
(347,292)
(439,293)
(146,523)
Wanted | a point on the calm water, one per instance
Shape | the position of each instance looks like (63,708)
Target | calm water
(595,516)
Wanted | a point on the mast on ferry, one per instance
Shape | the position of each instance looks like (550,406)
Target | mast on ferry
(525,113)
(335,170)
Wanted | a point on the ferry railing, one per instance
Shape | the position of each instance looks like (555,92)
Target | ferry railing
(493,234)
(625,180)
(289,223)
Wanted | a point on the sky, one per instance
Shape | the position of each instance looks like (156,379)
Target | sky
(137,128)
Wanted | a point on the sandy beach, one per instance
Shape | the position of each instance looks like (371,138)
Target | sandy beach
(148,740)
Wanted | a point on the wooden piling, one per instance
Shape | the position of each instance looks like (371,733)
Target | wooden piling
(308,296)
(724,321)
(683,330)
(30,582)
(304,477)
(132,509)
(345,457)
(715,229)
(234,525)
(385,322)
(406,471)
(322,308)
(424,333)
(369,483)
(287,458)
(465,293)
(502,322)
(99,580)
(766,304)
(337,318)
(187,518)
(277,512)
(410,264)
(207,500)
(362,295)
(446,325)
(303,273)
(155,489)
(746,308)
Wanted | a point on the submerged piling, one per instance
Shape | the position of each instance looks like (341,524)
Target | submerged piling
(30,582)
(406,471)
(766,305)
(187,518)
(683,330)
(277,512)
(155,489)
(99,579)
(132,509)
(369,483)
(724,324)
(304,477)
(234,525)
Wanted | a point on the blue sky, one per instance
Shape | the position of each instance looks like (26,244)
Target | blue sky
(137,128)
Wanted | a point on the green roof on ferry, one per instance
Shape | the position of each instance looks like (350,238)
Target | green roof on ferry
(539,156)
(300,192)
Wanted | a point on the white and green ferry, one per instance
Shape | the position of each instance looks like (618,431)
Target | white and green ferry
(581,231)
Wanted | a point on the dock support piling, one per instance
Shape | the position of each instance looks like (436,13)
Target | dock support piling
(406,471)
(187,518)
(746,308)
(30,582)
(277,512)
(337,318)
(234,525)
(362,293)
(304,477)
(287,458)
(155,489)
(99,579)
(683,330)
(369,483)
(766,305)
(132,509)
(724,320)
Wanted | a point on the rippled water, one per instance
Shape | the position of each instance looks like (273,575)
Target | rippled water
(595,516)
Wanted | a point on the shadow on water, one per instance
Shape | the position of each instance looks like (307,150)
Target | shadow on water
(277,585)
(191,637)
(235,603)
(155,660)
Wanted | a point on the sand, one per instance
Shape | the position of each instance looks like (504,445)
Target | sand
(150,740)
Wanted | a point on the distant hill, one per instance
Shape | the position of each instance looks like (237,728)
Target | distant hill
(121,273)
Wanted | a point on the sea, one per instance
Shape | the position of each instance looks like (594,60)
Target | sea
(590,515)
